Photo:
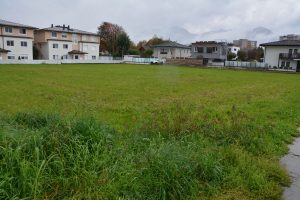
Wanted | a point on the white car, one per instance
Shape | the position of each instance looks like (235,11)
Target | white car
(156,62)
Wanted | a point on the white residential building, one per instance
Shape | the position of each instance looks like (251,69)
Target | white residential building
(63,42)
(283,54)
(234,49)
(16,41)
(171,50)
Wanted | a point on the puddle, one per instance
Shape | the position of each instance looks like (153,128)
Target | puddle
(292,164)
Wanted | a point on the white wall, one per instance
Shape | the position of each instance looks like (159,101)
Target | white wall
(60,51)
(172,53)
(17,50)
(272,55)
(91,48)
(234,49)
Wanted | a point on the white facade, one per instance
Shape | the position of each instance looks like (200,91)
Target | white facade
(63,42)
(92,50)
(171,52)
(20,48)
(234,49)
(272,56)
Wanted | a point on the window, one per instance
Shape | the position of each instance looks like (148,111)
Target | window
(295,51)
(209,50)
(74,38)
(64,35)
(93,48)
(163,51)
(22,30)
(55,57)
(290,51)
(24,57)
(65,46)
(200,49)
(282,64)
(76,57)
(288,64)
(93,57)
(8,29)
(10,43)
(55,46)
(54,34)
(10,57)
(85,47)
(23,44)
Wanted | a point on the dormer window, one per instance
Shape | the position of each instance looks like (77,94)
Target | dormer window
(8,29)
(23,31)
(54,34)
(64,35)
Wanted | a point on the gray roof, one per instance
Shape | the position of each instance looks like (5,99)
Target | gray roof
(7,23)
(67,29)
(171,44)
(282,43)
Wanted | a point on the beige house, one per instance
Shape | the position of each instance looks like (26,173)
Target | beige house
(63,42)
(16,41)
(171,50)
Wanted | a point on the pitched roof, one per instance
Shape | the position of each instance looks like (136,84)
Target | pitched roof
(8,23)
(172,44)
(4,50)
(282,43)
(77,52)
(67,29)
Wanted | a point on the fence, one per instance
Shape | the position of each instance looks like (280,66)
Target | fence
(245,64)
(101,60)
(138,60)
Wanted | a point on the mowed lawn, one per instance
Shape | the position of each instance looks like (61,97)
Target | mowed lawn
(179,132)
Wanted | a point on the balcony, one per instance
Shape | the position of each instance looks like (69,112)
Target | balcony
(289,56)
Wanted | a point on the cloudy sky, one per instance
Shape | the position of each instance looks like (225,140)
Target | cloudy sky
(181,20)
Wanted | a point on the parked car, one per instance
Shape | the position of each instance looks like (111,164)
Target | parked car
(157,62)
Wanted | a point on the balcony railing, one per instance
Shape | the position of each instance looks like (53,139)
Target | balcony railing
(289,56)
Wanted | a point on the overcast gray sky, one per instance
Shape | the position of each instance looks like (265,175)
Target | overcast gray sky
(181,20)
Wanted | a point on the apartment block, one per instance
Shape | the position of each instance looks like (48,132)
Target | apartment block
(289,37)
(16,41)
(245,44)
(63,42)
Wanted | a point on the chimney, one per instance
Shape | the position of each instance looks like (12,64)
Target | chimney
(64,26)
(51,25)
(68,27)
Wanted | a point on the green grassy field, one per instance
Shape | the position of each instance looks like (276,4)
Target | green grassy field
(144,132)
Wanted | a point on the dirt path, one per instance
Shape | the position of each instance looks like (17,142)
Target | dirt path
(292,163)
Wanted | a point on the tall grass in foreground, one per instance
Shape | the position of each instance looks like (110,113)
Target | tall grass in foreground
(186,156)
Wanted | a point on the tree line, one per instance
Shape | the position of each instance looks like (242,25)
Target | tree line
(116,42)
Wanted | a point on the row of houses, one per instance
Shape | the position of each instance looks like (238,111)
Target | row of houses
(283,54)
(52,43)
(209,51)
(63,42)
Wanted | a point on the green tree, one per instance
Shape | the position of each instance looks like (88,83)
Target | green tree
(109,33)
(231,56)
(147,54)
(133,52)
(242,55)
(123,43)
